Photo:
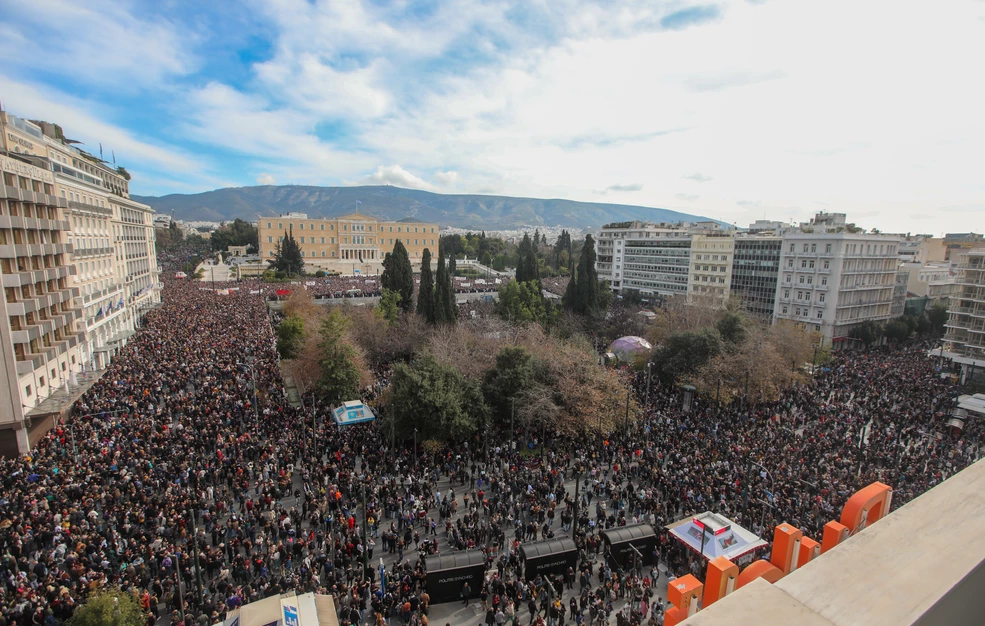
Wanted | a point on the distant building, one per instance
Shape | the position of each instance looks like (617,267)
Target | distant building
(755,269)
(965,337)
(710,269)
(349,243)
(937,281)
(649,259)
(921,249)
(832,279)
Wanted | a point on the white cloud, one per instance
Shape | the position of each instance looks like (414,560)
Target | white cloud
(698,177)
(266,179)
(98,41)
(447,179)
(73,116)
(398,177)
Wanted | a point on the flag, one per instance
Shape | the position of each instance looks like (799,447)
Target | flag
(99,312)
(120,305)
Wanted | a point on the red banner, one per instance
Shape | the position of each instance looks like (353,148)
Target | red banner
(283,292)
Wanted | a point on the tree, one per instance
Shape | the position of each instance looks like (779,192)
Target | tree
(868,332)
(897,330)
(445,311)
(732,328)
(398,275)
(287,257)
(512,376)
(239,233)
(585,295)
(937,315)
(389,306)
(683,353)
(290,336)
(562,246)
(109,607)
(425,293)
(435,399)
(452,266)
(527,268)
(524,302)
(486,259)
(340,374)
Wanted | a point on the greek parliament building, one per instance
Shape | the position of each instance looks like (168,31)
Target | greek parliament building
(78,266)
(349,244)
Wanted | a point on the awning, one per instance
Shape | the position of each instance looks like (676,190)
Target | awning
(61,399)
(722,536)
(126,334)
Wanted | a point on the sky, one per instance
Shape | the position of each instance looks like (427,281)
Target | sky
(736,110)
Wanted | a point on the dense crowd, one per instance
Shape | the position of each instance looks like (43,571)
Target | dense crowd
(187,451)
(356,287)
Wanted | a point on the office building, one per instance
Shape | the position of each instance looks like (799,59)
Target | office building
(833,277)
(348,244)
(652,260)
(965,336)
(755,270)
(710,269)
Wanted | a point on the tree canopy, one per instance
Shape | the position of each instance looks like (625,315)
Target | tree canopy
(584,291)
(340,373)
(237,233)
(109,607)
(435,399)
(425,292)
(524,302)
(527,268)
(290,336)
(287,256)
(398,275)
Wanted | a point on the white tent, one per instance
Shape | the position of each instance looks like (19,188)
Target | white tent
(712,535)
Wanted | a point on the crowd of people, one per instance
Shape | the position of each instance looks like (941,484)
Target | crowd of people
(357,287)
(187,452)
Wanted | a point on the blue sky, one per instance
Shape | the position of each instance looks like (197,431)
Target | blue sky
(736,109)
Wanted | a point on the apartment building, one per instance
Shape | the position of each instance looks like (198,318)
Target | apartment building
(39,338)
(833,279)
(755,271)
(936,281)
(648,259)
(710,270)
(349,243)
(965,336)
(921,249)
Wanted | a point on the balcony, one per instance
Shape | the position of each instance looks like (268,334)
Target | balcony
(82,206)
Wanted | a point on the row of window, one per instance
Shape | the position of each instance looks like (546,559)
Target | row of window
(355,227)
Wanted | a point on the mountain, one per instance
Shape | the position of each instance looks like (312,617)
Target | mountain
(395,203)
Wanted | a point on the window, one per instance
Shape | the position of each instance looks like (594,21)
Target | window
(820,297)
(803,264)
(280,225)
(824,280)
(302,225)
(827,247)
(270,239)
(820,314)
(805,247)
(323,227)
(302,238)
(268,224)
(827,265)
(40,381)
(813,247)
(786,293)
(789,262)
(323,241)
(811,265)
(27,391)
(333,239)
(784,309)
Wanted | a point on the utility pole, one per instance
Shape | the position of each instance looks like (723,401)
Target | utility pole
(365,534)
(512,423)
(649,373)
(629,393)
(181,593)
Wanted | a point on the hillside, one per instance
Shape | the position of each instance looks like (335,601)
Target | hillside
(384,202)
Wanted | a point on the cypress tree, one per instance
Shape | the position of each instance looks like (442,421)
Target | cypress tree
(441,290)
(398,275)
(587,289)
(425,294)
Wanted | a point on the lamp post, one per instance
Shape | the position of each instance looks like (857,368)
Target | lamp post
(365,534)
(512,423)
(415,448)
(629,393)
(649,374)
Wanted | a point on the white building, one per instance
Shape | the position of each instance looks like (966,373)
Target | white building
(710,272)
(965,338)
(651,259)
(832,280)
(39,338)
(935,280)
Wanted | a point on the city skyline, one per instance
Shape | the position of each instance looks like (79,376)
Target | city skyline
(734,110)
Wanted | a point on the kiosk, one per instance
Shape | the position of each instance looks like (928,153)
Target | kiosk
(448,573)
(553,556)
(620,544)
